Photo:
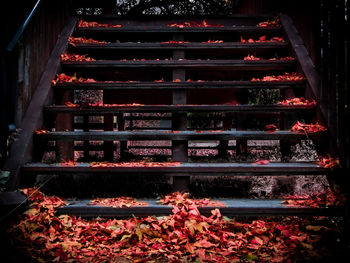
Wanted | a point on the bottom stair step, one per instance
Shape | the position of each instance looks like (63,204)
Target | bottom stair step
(228,207)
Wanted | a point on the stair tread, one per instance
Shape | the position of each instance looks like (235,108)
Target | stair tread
(191,45)
(236,63)
(179,85)
(183,169)
(166,29)
(11,199)
(232,207)
(177,135)
(177,108)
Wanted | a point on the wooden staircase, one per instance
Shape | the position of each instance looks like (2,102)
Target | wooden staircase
(149,72)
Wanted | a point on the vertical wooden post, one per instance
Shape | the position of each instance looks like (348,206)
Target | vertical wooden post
(64,122)
(108,145)
(121,127)
(179,121)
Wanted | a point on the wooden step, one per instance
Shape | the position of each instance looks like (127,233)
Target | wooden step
(165,85)
(182,46)
(174,135)
(98,110)
(183,169)
(259,65)
(166,29)
(232,208)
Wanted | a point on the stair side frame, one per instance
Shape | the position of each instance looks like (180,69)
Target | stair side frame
(22,149)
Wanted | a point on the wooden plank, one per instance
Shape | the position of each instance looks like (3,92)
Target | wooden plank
(233,207)
(21,149)
(165,29)
(177,135)
(184,169)
(182,46)
(180,85)
(262,65)
(178,108)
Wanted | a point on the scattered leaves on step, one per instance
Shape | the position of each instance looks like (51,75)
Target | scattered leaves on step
(261,162)
(118,202)
(183,199)
(271,128)
(76,40)
(328,162)
(262,39)
(174,42)
(298,101)
(308,128)
(67,57)
(203,23)
(213,41)
(325,199)
(133,164)
(63,78)
(294,76)
(275,22)
(84,24)
(255,58)
(68,163)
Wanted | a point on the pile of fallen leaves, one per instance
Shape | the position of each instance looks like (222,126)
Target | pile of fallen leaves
(204,23)
(183,236)
(63,78)
(67,57)
(84,24)
(262,39)
(298,101)
(294,76)
(308,128)
(76,40)
(213,41)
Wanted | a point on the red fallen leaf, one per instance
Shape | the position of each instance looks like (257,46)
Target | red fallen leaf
(252,57)
(261,162)
(286,77)
(271,128)
(328,162)
(68,163)
(72,105)
(76,40)
(118,202)
(84,24)
(308,128)
(74,57)
(159,80)
(287,58)
(177,80)
(298,101)
(275,22)
(41,132)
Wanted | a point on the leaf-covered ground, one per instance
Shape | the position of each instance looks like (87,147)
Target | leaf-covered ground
(184,236)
